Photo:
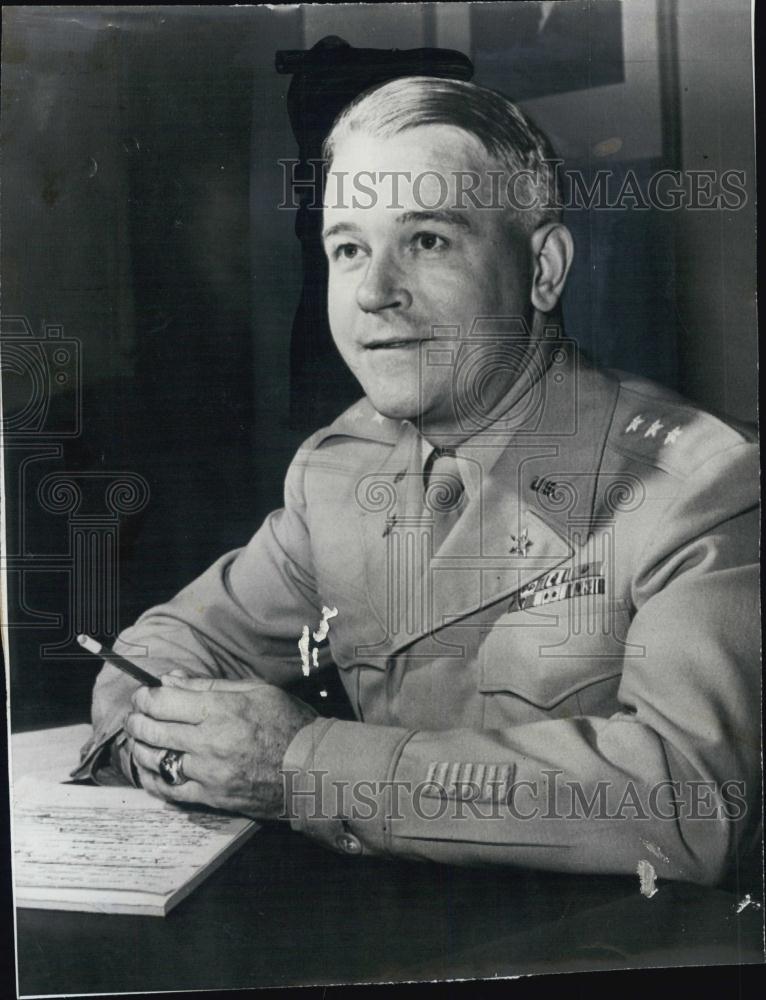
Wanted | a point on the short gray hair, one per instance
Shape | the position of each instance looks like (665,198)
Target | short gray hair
(501,127)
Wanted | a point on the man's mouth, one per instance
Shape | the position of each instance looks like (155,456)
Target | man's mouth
(389,345)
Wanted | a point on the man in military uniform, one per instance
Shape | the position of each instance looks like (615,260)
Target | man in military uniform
(537,580)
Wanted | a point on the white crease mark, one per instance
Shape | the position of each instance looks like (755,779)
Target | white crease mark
(304,643)
(656,851)
(647,876)
(324,625)
(303,646)
(745,902)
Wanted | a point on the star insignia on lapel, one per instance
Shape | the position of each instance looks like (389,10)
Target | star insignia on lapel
(652,430)
(520,543)
(672,436)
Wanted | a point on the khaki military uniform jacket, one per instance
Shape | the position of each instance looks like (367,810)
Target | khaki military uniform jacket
(571,682)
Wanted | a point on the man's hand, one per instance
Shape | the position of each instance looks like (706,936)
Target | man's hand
(233,735)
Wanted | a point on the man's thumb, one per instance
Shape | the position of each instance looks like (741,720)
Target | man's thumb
(210,683)
(188,683)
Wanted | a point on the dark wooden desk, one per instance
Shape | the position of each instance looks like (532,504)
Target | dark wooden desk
(286,911)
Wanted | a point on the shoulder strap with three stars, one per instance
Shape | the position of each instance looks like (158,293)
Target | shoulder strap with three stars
(666,431)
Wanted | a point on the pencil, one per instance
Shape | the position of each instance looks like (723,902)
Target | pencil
(106,654)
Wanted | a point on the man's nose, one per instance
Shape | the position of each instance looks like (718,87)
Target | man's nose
(383,286)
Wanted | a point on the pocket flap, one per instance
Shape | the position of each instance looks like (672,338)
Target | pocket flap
(546,658)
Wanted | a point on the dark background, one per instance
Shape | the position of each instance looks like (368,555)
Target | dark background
(140,184)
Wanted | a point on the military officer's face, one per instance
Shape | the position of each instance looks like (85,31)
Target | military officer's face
(398,269)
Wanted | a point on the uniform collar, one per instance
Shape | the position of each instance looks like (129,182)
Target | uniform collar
(512,412)
(560,408)
(513,529)
(517,411)
(551,432)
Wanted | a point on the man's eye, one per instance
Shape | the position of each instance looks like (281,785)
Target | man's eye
(346,251)
(429,242)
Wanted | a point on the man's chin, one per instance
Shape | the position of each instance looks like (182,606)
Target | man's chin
(412,406)
(393,410)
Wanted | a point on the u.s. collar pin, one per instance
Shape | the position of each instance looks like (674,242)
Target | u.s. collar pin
(520,543)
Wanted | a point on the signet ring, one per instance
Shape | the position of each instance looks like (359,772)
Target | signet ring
(171,769)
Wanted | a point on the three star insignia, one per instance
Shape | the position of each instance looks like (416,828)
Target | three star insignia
(520,543)
(653,429)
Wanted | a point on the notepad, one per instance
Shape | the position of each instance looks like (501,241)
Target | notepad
(112,849)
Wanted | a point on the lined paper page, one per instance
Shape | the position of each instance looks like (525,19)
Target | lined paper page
(111,839)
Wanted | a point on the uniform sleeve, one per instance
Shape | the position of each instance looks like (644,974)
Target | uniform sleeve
(671,779)
(241,618)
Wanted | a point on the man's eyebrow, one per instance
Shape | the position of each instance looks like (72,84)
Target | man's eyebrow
(448,216)
(340,227)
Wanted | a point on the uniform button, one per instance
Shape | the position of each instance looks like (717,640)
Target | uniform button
(348,843)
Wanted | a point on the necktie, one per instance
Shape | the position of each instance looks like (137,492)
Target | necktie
(443,492)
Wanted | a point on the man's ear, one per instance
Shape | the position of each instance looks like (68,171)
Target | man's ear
(553,251)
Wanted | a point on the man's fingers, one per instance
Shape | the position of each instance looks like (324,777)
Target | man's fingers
(149,758)
(176,672)
(144,756)
(211,683)
(171,704)
(164,735)
(189,791)
(186,683)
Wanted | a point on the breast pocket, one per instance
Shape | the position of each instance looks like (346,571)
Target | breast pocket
(547,657)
